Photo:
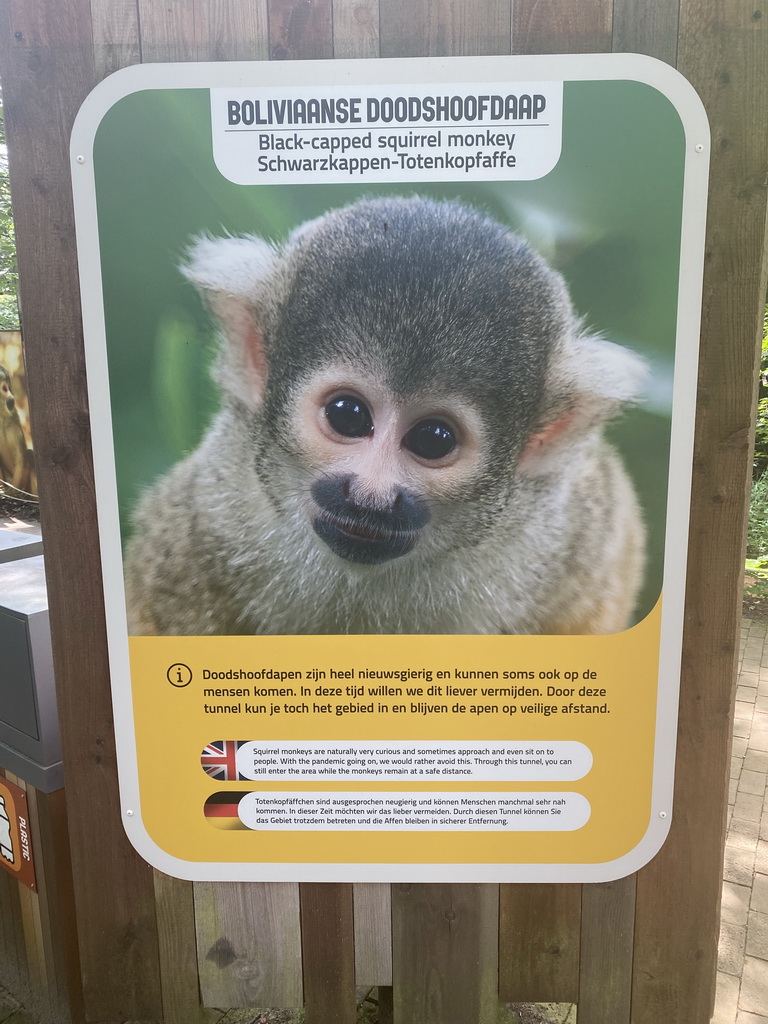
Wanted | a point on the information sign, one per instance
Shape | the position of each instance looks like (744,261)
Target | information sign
(392,371)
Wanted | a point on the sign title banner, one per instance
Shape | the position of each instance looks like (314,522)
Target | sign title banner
(432,133)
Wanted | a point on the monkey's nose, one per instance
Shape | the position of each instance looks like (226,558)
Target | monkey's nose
(397,503)
(10,402)
(396,509)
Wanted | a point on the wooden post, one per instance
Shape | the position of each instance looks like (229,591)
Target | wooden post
(723,51)
(46,52)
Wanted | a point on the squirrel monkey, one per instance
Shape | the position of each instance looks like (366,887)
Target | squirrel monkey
(17,466)
(410,441)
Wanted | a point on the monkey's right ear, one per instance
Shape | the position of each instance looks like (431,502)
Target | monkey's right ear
(231,273)
(590,380)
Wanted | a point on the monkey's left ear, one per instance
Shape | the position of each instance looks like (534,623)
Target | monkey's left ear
(231,273)
(589,381)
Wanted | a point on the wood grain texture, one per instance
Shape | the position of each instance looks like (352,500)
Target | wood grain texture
(568,26)
(539,943)
(650,27)
(53,866)
(14,972)
(607,936)
(174,901)
(167,31)
(373,934)
(50,940)
(474,29)
(722,51)
(46,61)
(444,27)
(248,943)
(407,29)
(355,28)
(40,991)
(31,926)
(115,35)
(300,29)
(328,952)
(445,953)
(231,30)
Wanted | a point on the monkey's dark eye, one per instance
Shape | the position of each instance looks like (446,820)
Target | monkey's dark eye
(430,439)
(349,417)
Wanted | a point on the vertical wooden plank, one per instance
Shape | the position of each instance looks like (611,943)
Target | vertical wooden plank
(248,937)
(167,31)
(355,28)
(38,1003)
(248,943)
(115,35)
(607,935)
(445,957)
(53,866)
(539,943)
(29,902)
(373,934)
(14,974)
(407,29)
(178,951)
(445,27)
(474,29)
(327,944)
(231,30)
(568,26)
(722,51)
(444,937)
(540,926)
(47,67)
(300,29)
(650,27)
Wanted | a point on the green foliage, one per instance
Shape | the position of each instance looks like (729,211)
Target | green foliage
(760,463)
(757,529)
(756,563)
(9,277)
(755,596)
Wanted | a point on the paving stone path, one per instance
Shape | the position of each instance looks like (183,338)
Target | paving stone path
(742,980)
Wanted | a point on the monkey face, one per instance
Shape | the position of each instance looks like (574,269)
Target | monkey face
(411,373)
(381,465)
(7,401)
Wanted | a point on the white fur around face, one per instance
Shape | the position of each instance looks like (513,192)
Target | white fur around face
(229,266)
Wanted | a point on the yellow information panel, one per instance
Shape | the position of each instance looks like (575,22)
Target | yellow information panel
(392,375)
(428,750)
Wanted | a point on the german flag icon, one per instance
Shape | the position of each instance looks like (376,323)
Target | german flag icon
(221,811)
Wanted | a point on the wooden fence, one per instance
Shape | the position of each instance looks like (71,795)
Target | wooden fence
(639,950)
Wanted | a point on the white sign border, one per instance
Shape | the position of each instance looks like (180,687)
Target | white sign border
(401,72)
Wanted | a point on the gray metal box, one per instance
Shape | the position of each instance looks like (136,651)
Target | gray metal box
(30,744)
(19,544)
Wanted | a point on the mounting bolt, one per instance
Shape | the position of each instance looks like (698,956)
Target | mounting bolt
(662,814)
(699,147)
(80,158)
(129,813)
